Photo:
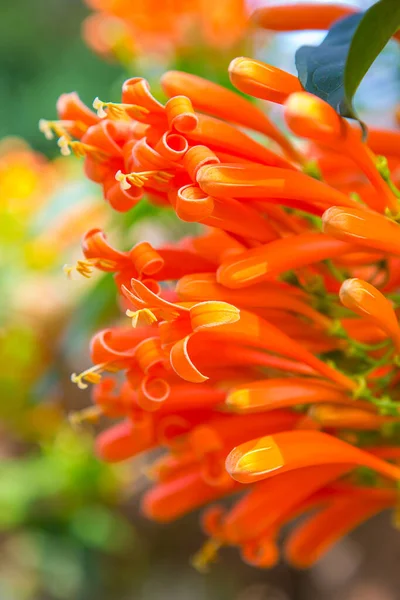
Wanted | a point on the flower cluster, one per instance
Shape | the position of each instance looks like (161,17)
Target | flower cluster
(123,29)
(263,352)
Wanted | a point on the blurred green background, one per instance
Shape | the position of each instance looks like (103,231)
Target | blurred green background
(43,55)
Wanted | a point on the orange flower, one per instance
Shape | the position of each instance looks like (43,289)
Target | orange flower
(122,28)
(313,118)
(246,362)
(262,81)
(301,16)
(262,458)
(362,227)
(364,299)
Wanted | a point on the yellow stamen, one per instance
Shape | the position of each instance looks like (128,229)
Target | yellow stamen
(117,111)
(206,555)
(91,414)
(80,149)
(59,128)
(85,266)
(92,375)
(145,314)
(139,179)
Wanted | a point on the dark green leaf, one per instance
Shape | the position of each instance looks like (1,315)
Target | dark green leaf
(321,68)
(334,69)
(376,28)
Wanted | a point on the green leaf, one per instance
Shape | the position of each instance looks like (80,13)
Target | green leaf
(378,25)
(321,68)
(334,69)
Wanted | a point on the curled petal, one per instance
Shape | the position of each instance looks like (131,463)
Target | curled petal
(95,246)
(197,157)
(71,108)
(180,114)
(182,363)
(262,553)
(146,260)
(143,297)
(149,353)
(192,205)
(116,344)
(137,91)
(212,314)
(147,158)
(118,198)
(107,136)
(152,392)
(172,146)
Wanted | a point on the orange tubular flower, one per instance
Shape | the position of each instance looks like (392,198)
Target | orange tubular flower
(257,79)
(301,16)
(362,227)
(265,457)
(311,117)
(245,365)
(365,300)
(270,394)
(266,262)
(214,99)
(290,188)
(344,511)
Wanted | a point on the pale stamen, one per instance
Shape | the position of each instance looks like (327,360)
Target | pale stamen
(145,315)
(118,111)
(79,149)
(92,375)
(85,267)
(206,555)
(50,129)
(139,179)
(90,414)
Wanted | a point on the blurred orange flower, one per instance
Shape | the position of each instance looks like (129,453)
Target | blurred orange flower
(123,28)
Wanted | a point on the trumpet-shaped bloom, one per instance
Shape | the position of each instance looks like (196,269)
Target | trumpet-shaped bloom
(264,341)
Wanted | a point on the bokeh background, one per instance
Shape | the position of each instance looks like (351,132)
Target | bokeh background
(69,526)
